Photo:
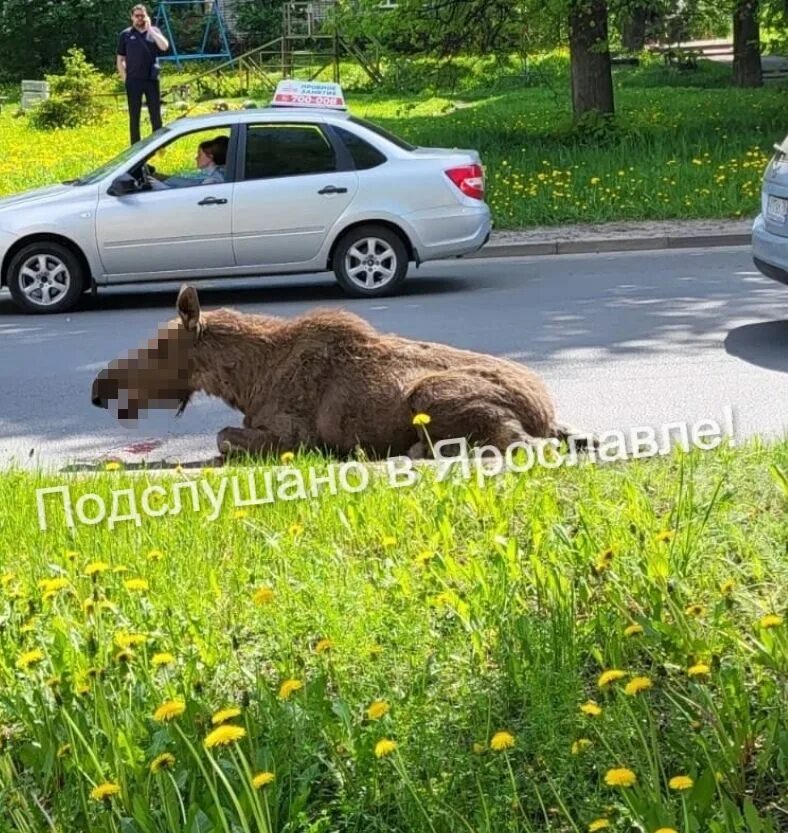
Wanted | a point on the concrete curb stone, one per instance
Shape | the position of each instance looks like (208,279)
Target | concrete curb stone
(617,237)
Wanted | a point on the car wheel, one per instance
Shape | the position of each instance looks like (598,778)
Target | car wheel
(370,261)
(46,278)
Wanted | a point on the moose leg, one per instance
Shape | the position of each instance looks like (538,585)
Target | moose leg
(463,405)
(247,441)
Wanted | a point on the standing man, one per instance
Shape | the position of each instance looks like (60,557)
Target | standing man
(139,48)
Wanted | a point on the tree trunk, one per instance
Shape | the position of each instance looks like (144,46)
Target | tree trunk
(746,45)
(633,29)
(592,79)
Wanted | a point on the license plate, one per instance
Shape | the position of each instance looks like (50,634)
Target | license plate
(777,208)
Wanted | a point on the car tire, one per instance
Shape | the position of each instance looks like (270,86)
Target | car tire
(370,261)
(39,268)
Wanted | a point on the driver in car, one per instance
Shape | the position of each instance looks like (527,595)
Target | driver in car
(211,161)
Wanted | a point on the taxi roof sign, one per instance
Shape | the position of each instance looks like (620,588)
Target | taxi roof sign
(309,94)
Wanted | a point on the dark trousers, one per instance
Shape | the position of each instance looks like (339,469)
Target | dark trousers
(136,88)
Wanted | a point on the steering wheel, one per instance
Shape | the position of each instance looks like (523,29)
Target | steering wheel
(146,174)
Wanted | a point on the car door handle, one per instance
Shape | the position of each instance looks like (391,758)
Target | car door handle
(332,189)
(212,201)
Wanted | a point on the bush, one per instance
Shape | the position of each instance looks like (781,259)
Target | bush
(75,96)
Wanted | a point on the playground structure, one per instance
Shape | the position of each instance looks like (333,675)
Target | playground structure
(213,19)
(308,46)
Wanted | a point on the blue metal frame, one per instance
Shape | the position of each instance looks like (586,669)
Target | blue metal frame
(162,20)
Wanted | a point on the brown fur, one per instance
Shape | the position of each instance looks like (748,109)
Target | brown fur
(327,379)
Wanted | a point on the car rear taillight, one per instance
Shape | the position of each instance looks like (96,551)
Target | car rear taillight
(469,179)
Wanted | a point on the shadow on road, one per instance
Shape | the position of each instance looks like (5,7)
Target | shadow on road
(156,296)
(764,344)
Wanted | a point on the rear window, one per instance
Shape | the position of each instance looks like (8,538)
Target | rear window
(275,150)
(395,140)
(364,155)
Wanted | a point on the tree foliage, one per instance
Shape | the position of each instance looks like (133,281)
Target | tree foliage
(75,97)
(35,34)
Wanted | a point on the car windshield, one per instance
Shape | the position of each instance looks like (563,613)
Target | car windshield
(400,143)
(122,157)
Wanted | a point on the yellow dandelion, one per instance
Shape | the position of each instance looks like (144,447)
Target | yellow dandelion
(378,709)
(610,676)
(421,419)
(771,620)
(664,536)
(130,640)
(598,824)
(262,779)
(502,740)
(239,514)
(681,782)
(30,658)
(694,610)
(164,761)
(155,555)
(223,715)
(136,585)
(633,630)
(700,669)
(288,687)
(169,710)
(581,744)
(104,791)
(620,777)
(53,585)
(666,830)
(224,736)
(96,567)
(113,465)
(636,685)
(423,557)
(384,747)
(71,555)
(389,541)
(163,658)
(727,587)
(323,645)
(295,529)
(591,708)
(263,595)
(287,457)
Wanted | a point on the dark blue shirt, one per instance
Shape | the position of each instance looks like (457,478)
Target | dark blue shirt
(141,54)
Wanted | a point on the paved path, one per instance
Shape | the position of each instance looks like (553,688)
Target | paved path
(623,340)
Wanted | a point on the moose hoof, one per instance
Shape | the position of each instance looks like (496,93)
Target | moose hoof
(224,441)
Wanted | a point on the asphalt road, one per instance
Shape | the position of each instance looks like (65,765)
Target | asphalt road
(623,340)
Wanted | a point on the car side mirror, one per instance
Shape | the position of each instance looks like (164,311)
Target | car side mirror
(124,184)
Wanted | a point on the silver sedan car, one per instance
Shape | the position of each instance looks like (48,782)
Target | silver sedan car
(296,190)
(770,229)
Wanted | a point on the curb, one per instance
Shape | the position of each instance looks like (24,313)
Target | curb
(622,244)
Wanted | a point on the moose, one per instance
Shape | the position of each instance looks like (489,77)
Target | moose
(328,380)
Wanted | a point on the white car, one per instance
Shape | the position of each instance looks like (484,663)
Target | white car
(770,229)
(303,189)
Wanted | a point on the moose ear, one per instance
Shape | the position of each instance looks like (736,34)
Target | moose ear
(188,307)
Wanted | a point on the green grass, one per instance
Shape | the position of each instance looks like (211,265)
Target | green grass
(673,153)
(469,609)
